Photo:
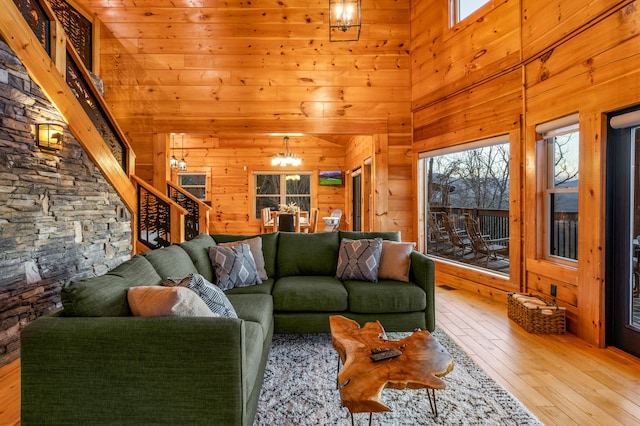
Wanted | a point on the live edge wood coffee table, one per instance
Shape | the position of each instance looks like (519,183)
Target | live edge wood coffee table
(361,381)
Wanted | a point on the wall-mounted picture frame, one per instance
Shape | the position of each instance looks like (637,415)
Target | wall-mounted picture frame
(330,177)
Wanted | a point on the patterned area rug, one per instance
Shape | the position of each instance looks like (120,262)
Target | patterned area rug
(300,389)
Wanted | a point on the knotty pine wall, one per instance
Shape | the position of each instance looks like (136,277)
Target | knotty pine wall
(513,65)
(236,72)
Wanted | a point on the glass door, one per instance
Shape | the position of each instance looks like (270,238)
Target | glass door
(356,201)
(623,237)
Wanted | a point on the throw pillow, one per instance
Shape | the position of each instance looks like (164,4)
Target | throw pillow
(255,245)
(359,259)
(234,266)
(211,295)
(156,301)
(395,261)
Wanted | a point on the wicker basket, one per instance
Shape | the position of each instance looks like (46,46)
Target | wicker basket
(547,318)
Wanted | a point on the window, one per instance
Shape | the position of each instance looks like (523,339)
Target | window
(460,9)
(195,183)
(561,143)
(273,189)
(467,190)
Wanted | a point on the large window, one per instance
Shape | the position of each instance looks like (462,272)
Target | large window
(460,9)
(561,144)
(467,203)
(273,189)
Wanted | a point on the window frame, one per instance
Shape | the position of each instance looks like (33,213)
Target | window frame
(186,187)
(548,135)
(283,188)
(425,207)
(454,14)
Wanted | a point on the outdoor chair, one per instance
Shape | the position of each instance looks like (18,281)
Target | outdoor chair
(438,233)
(457,237)
(490,248)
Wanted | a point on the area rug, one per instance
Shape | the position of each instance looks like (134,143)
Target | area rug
(300,389)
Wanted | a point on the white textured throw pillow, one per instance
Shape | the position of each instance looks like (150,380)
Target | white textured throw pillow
(213,297)
(156,301)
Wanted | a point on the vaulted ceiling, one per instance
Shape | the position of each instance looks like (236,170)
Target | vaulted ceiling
(258,67)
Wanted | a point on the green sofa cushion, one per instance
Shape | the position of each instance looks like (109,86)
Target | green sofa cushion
(310,294)
(106,295)
(257,308)
(264,288)
(198,251)
(269,247)
(171,261)
(385,296)
(302,254)
(385,235)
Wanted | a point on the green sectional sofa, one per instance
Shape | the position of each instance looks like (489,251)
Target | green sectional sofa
(95,363)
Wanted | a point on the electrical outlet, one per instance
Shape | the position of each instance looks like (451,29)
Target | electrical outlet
(554,290)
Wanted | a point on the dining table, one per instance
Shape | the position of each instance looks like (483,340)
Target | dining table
(301,220)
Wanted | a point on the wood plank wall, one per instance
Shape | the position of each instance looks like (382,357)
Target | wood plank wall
(239,71)
(515,64)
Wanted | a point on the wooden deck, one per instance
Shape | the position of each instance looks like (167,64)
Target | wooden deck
(561,379)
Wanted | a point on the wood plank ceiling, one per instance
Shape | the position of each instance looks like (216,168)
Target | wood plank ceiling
(253,67)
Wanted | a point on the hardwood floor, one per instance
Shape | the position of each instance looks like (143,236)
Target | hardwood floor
(561,379)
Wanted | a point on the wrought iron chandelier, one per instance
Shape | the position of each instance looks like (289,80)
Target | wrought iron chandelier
(345,20)
(286,158)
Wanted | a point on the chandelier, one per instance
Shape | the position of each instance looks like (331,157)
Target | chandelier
(286,158)
(345,20)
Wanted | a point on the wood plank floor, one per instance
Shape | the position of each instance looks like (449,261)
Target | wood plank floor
(561,379)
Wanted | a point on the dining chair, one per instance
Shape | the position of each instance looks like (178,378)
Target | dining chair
(268,223)
(313,220)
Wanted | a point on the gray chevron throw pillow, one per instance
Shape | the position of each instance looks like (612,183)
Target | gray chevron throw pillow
(359,259)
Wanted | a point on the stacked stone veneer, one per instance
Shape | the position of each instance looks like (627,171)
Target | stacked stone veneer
(59,218)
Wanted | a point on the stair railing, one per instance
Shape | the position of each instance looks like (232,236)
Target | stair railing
(161,222)
(197,218)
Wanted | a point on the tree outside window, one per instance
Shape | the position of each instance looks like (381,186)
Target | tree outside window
(273,189)
(562,194)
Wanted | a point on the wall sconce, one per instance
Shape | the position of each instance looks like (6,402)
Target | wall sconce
(49,136)
(345,20)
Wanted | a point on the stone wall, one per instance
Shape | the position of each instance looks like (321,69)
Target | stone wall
(59,218)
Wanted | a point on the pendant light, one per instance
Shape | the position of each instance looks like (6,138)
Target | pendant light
(173,161)
(182,164)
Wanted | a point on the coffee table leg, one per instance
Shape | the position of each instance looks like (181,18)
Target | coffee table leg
(370,416)
(431,393)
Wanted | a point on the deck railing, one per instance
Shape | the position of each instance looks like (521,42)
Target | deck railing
(495,223)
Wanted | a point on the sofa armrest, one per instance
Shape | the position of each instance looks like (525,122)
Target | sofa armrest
(422,272)
(129,370)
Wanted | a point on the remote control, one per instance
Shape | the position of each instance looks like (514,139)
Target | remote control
(391,353)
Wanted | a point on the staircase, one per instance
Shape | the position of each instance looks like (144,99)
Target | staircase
(32,31)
